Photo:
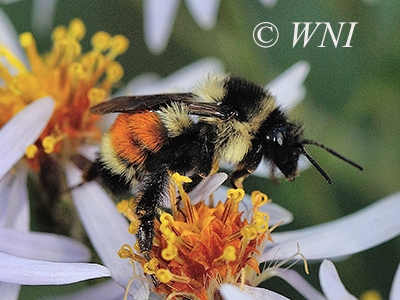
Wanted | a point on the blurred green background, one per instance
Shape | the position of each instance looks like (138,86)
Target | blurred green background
(351,103)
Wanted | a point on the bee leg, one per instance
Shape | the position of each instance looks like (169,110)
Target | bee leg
(237,177)
(150,198)
(247,166)
(202,167)
(196,179)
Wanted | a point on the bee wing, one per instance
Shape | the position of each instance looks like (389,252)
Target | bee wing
(204,109)
(131,104)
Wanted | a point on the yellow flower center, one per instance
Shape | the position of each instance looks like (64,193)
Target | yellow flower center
(197,248)
(75,80)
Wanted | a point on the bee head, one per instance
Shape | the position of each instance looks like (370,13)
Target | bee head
(283,148)
(283,144)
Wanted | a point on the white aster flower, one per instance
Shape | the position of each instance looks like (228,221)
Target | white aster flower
(345,236)
(334,289)
(160,15)
(42,15)
(72,79)
(27,257)
(330,282)
(322,239)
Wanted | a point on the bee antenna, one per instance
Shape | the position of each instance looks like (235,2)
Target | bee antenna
(350,162)
(316,165)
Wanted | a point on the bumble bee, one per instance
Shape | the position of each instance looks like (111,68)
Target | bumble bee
(225,119)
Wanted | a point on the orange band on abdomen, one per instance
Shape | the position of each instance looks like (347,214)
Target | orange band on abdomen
(132,135)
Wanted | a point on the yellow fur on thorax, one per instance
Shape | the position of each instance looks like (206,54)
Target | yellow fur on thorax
(212,89)
(234,137)
(234,140)
(267,106)
(175,117)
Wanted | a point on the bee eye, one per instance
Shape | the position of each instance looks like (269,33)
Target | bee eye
(278,138)
(279,147)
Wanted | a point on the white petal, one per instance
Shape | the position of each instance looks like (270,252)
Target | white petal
(105,123)
(23,130)
(362,230)
(109,290)
(43,16)
(395,290)
(231,292)
(139,288)
(204,12)
(140,85)
(37,272)
(206,187)
(299,284)
(89,151)
(106,228)
(42,246)
(14,203)
(182,80)
(288,87)
(331,284)
(155,296)
(9,291)
(277,213)
(9,37)
(159,18)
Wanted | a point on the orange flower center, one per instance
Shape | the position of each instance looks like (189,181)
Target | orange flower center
(75,80)
(197,247)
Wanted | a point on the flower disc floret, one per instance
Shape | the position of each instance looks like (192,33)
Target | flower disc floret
(75,80)
(198,247)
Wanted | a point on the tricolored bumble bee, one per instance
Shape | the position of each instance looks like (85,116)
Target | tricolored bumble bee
(225,119)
